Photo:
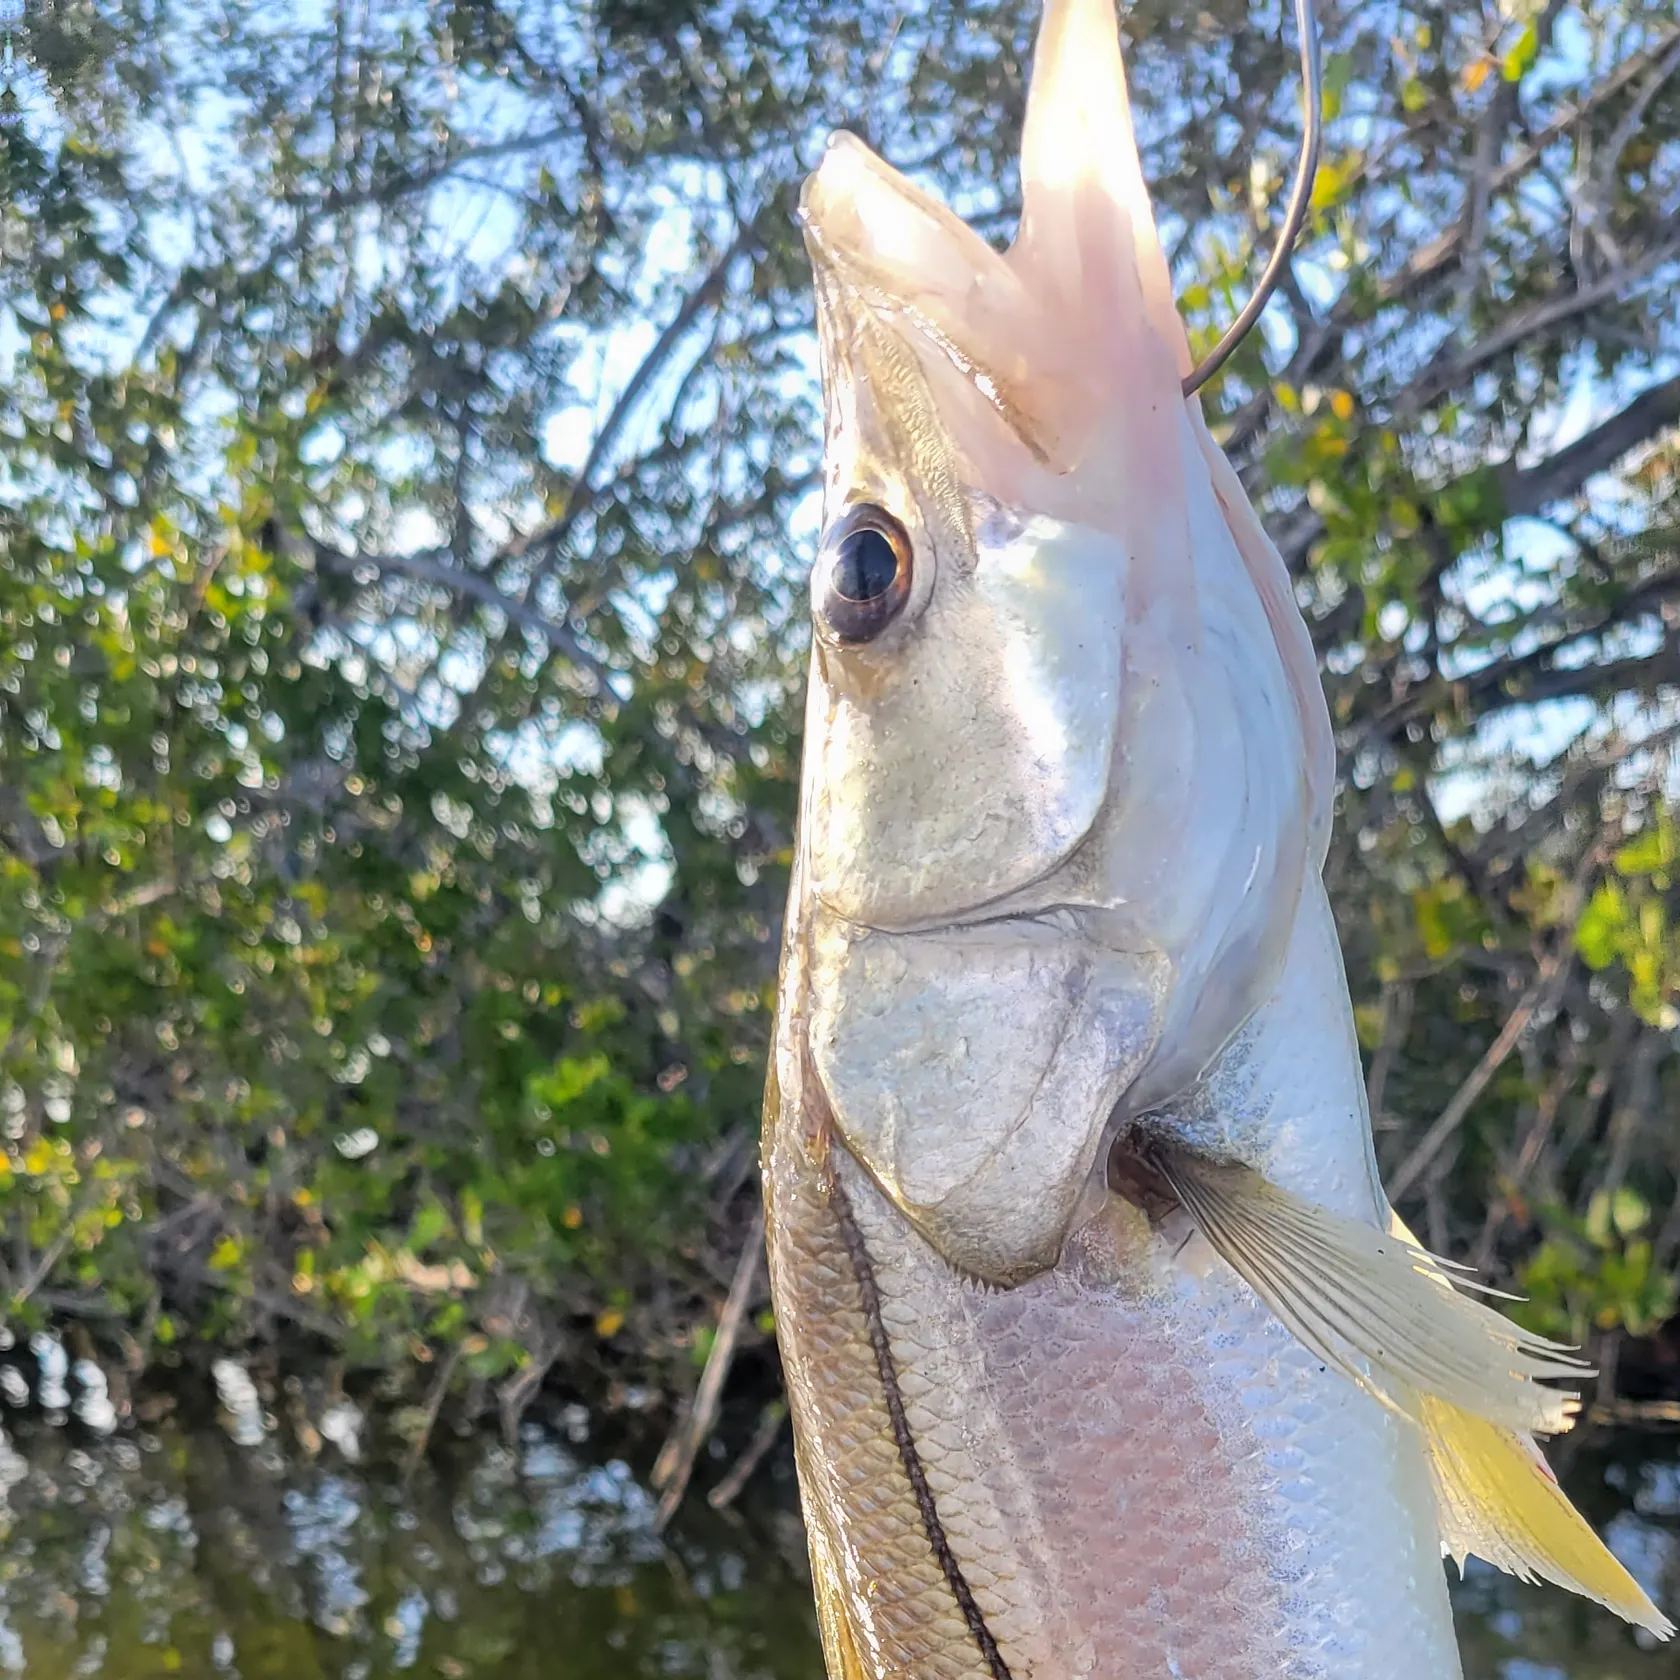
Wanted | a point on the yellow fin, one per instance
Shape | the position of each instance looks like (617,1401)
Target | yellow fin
(1372,1304)
(1497,1498)
(1386,1313)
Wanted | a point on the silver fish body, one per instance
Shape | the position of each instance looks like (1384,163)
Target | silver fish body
(1131,1465)
(1106,1354)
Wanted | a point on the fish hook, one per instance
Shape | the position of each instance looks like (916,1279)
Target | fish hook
(1300,197)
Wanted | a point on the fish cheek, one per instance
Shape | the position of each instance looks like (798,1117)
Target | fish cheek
(969,757)
(972,1073)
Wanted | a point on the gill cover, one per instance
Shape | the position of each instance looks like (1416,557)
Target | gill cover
(1058,812)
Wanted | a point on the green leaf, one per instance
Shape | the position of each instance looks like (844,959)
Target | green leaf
(1338,77)
(1653,850)
(1523,52)
(1603,928)
(1630,1213)
(1598,1218)
(431,1221)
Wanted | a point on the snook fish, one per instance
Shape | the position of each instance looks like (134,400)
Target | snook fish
(1106,1353)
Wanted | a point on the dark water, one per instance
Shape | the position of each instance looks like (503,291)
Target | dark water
(184,1554)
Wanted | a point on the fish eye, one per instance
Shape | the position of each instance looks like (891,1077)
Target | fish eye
(863,575)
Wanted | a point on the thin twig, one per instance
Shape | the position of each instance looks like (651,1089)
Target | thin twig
(1629,124)
(1452,1116)
(676,1461)
(434,1405)
(582,497)
(425,567)
(1535,1140)
(1634,1414)
(1518,328)
(42,1269)
(1428,262)
(546,546)
(740,1472)
(544,1349)
(1397,997)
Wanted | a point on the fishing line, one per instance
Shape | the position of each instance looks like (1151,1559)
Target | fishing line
(1300,198)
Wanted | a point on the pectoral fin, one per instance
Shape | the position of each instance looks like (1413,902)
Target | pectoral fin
(1496,1497)
(1373,1304)
(1390,1316)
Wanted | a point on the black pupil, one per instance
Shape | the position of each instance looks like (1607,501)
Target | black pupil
(865,567)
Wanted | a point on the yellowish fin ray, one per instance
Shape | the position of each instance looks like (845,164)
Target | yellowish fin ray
(1374,1305)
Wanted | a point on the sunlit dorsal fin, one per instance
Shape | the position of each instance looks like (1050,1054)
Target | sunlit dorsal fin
(1372,1304)
(1497,1499)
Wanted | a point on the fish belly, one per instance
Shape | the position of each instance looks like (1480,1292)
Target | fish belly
(1124,1469)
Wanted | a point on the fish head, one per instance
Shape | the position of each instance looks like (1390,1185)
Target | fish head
(1066,755)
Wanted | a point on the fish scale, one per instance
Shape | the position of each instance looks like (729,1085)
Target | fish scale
(902,1614)
(1141,1502)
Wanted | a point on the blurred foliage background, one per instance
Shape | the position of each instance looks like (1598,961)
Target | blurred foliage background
(407,437)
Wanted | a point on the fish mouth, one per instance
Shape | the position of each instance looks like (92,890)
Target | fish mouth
(857,292)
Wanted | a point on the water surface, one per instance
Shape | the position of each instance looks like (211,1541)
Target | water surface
(182,1553)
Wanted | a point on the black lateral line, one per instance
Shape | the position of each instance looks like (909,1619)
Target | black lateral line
(864,1270)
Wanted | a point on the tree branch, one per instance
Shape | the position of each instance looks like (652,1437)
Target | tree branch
(1432,261)
(1436,381)
(676,1460)
(1554,969)
(550,541)
(426,567)
(1426,264)
(335,202)
(1526,490)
